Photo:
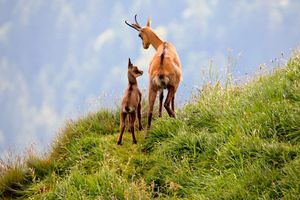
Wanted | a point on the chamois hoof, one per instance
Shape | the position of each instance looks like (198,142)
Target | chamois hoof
(140,128)
(119,143)
(134,142)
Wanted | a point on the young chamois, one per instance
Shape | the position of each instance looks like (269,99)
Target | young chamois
(131,102)
(164,69)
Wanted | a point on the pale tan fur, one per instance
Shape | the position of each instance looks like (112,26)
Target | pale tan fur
(131,102)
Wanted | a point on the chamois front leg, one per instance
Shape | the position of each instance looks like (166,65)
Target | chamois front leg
(122,127)
(167,103)
(152,97)
(140,116)
(131,125)
(161,98)
(129,122)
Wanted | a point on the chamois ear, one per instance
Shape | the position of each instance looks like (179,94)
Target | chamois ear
(148,22)
(129,63)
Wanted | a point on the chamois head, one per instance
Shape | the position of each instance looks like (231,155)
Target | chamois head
(134,70)
(143,31)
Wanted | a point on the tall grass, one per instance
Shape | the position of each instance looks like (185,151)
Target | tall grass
(231,142)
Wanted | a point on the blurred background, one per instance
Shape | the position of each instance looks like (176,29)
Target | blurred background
(62,59)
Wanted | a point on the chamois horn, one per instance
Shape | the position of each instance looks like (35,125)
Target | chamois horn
(136,20)
(136,26)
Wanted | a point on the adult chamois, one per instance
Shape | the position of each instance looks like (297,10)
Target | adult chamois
(164,69)
(131,102)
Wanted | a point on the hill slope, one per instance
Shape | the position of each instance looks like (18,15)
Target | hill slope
(236,143)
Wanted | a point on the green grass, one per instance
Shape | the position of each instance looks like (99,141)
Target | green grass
(238,142)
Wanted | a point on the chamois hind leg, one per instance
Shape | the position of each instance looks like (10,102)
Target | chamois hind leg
(122,127)
(152,97)
(139,116)
(161,98)
(131,125)
(173,103)
(167,104)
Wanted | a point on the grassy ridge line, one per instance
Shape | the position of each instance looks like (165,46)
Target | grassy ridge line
(236,143)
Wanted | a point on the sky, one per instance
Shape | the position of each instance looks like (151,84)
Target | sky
(62,59)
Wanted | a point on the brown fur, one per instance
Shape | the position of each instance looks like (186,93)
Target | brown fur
(131,102)
(164,70)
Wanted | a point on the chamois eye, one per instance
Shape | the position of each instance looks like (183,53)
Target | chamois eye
(140,35)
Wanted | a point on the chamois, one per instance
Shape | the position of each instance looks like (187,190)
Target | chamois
(164,69)
(131,102)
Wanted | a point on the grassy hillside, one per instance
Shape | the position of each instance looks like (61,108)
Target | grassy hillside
(242,142)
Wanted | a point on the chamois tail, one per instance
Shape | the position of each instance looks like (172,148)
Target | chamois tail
(162,56)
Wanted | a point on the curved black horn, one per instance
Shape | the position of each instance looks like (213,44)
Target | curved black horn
(131,26)
(136,20)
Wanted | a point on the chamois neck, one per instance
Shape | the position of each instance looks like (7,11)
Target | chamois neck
(131,79)
(154,39)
